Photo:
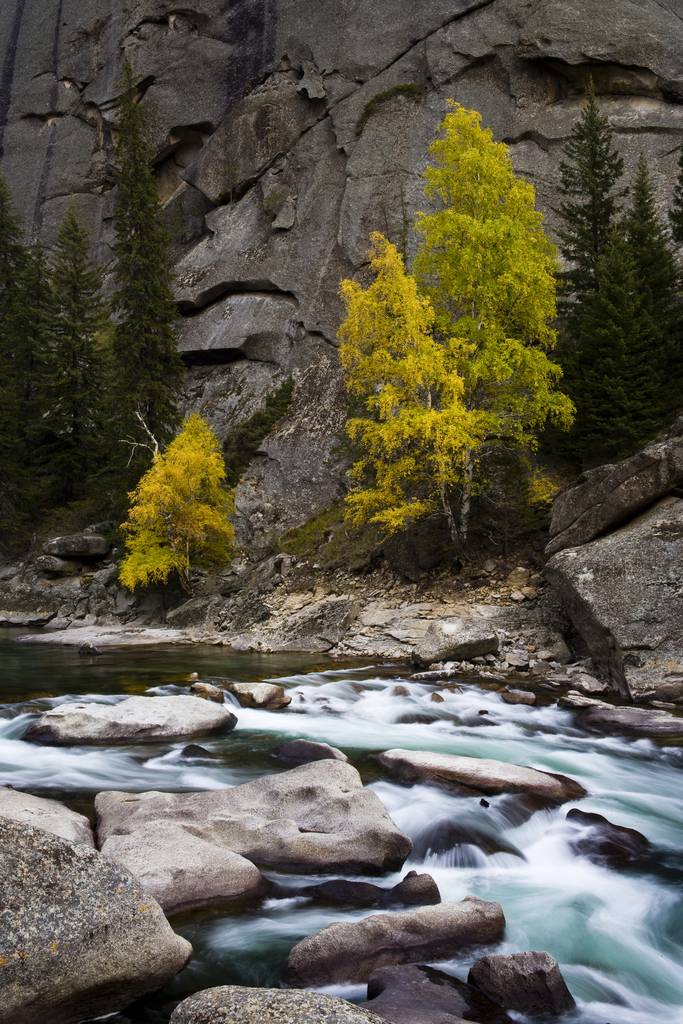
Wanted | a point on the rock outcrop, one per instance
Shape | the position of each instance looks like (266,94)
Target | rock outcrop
(134,720)
(230,1004)
(349,951)
(624,593)
(50,815)
(477,776)
(528,982)
(79,937)
(317,818)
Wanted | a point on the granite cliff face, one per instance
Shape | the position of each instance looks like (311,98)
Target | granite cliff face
(253,108)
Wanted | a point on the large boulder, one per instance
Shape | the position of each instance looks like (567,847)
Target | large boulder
(624,594)
(230,1004)
(79,937)
(315,818)
(598,839)
(77,545)
(50,815)
(479,776)
(418,994)
(134,720)
(317,627)
(603,498)
(632,721)
(456,638)
(181,870)
(349,951)
(305,751)
(529,982)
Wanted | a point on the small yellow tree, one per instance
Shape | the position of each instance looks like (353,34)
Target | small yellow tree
(178,510)
(416,430)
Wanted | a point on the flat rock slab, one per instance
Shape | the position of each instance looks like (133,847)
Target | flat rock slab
(133,720)
(181,870)
(415,992)
(259,695)
(305,751)
(349,951)
(77,545)
(315,818)
(633,721)
(50,815)
(230,1004)
(456,638)
(79,937)
(110,636)
(529,982)
(476,776)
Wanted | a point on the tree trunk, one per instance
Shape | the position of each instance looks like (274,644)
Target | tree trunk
(465,502)
(448,512)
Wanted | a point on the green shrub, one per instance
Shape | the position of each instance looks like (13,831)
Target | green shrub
(408,89)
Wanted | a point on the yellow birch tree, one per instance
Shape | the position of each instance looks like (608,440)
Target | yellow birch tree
(179,510)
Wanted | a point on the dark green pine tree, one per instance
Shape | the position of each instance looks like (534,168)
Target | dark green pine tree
(622,367)
(676,211)
(147,366)
(588,179)
(72,422)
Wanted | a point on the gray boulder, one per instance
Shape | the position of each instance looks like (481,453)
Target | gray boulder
(79,937)
(529,982)
(181,870)
(605,497)
(519,697)
(604,843)
(418,994)
(133,720)
(624,594)
(305,751)
(349,951)
(207,692)
(50,815)
(632,721)
(315,818)
(456,638)
(77,545)
(316,628)
(230,1004)
(259,695)
(413,891)
(477,776)
(58,566)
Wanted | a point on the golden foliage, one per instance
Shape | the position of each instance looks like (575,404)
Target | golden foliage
(179,509)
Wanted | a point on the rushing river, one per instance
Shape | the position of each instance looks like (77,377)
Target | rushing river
(616,934)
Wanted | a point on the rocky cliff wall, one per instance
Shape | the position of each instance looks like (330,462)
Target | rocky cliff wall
(253,108)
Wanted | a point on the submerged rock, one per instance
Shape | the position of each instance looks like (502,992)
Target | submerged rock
(315,818)
(529,982)
(50,815)
(79,937)
(604,843)
(413,891)
(305,751)
(349,951)
(130,721)
(259,695)
(416,993)
(230,1004)
(476,776)
(181,870)
(456,638)
(634,721)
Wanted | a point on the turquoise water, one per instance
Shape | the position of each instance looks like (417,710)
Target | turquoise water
(616,934)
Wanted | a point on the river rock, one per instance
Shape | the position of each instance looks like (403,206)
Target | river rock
(181,870)
(259,695)
(413,891)
(578,700)
(477,776)
(633,721)
(604,843)
(77,545)
(456,638)
(519,697)
(529,982)
(134,720)
(230,1004)
(305,751)
(207,691)
(604,497)
(418,994)
(624,594)
(315,818)
(349,951)
(50,815)
(79,937)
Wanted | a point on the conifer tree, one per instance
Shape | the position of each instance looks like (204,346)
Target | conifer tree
(147,364)
(12,258)
(676,211)
(72,422)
